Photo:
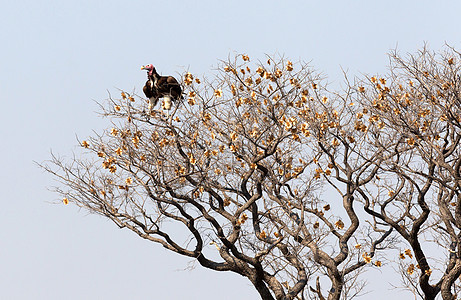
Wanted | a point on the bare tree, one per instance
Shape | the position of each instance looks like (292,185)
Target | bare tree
(418,108)
(260,171)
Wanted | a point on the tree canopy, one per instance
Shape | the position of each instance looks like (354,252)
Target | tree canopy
(268,171)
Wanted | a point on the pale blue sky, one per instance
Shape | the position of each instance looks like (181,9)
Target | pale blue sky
(57,57)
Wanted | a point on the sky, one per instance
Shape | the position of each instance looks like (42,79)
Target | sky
(58,57)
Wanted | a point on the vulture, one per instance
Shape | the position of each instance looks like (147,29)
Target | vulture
(157,87)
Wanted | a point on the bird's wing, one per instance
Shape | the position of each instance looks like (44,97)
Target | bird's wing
(147,91)
(161,81)
(171,80)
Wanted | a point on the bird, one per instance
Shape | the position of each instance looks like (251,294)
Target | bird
(157,87)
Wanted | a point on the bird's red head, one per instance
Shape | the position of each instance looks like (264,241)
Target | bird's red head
(150,68)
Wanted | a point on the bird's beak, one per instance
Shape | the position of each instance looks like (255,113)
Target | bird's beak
(142,67)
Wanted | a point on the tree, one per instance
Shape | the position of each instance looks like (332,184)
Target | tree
(265,170)
(420,110)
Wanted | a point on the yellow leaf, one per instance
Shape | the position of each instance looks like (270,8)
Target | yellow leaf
(65,201)
(233,136)
(339,224)
(411,269)
(188,78)
(408,253)
(218,93)
(366,257)
(191,101)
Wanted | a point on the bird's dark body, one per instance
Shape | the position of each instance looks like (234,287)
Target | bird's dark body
(158,86)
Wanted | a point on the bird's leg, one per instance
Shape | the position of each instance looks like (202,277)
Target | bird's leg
(152,103)
(166,104)
(150,106)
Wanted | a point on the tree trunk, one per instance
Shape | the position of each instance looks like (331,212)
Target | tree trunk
(336,289)
(263,290)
